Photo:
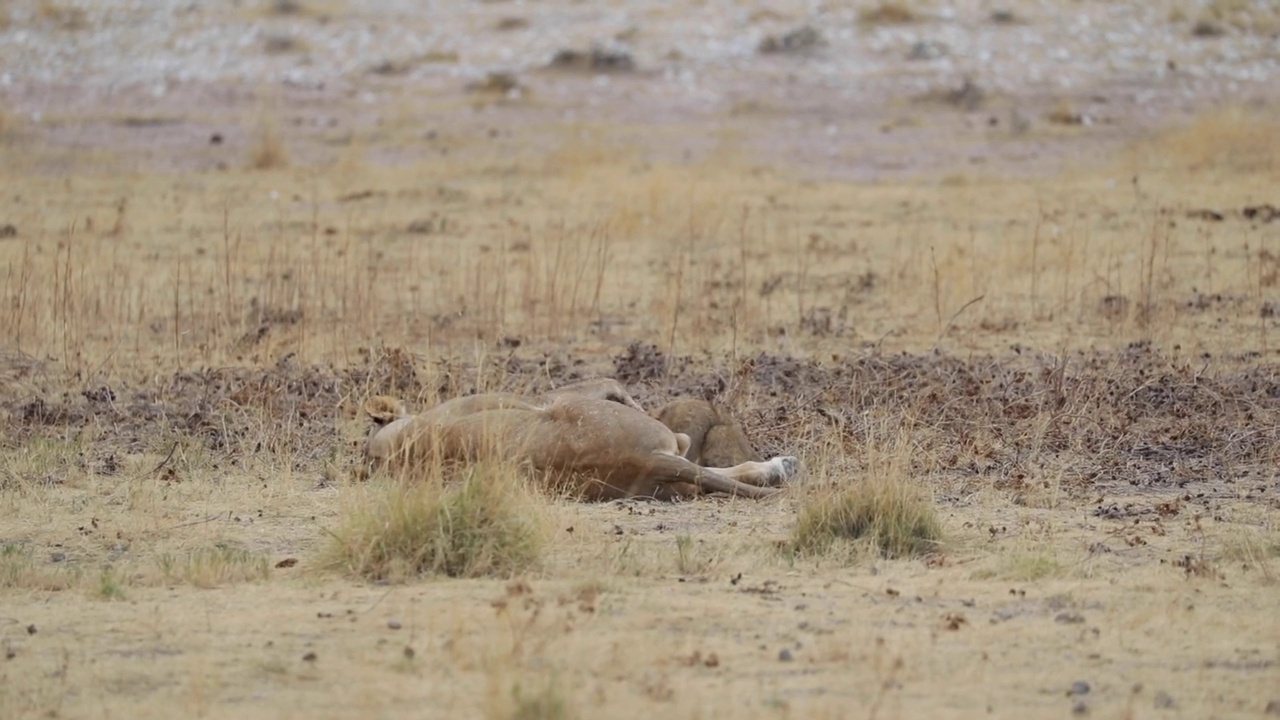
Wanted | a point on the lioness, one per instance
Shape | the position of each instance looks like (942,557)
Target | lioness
(590,439)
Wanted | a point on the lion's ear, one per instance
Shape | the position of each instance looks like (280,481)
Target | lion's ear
(383,409)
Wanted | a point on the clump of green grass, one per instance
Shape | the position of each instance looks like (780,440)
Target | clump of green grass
(484,525)
(218,564)
(885,510)
(691,559)
(1029,567)
(19,570)
(547,702)
(110,584)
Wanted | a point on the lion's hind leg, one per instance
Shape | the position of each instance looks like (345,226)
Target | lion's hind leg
(771,473)
(674,471)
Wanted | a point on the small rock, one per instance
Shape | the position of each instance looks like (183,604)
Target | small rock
(1069,618)
(784,655)
(393,624)
(215,139)
(1080,708)
(927,50)
(309,657)
(1207,29)
(1164,700)
(597,59)
(1273,708)
(801,39)
(1003,17)
(496,82)
(278,44)
(8,230)
(408,653)
(31,629)
(57,557)
(1079,687)
(507,24)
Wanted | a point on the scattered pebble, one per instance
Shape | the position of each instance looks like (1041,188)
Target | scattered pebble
(1079,687)
(785,655)
(1164,700)
(1080,708)
(926,50)
(1207,29)
(31,629)
(309,657)
(1069,618)
(799,40)
(393,624)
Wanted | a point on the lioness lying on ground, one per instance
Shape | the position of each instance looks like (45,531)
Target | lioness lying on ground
(590,439)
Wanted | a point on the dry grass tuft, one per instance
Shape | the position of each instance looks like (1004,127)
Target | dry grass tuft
(1254,549)
(1257,17)
(269,152)
(19,570)
(1028,566)
(1234,139)
(886,511)
(218,564)
(888,12)
(64,17)
(547,701)
(486,524)
(111,584)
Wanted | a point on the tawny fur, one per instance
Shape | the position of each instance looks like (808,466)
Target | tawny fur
(715,439)
(591,440)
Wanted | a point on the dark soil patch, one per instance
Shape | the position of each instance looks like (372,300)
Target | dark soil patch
(1102,424)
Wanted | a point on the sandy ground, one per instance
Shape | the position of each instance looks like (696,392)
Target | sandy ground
(1048,294)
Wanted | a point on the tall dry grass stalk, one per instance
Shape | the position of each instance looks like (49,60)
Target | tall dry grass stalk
(249,267)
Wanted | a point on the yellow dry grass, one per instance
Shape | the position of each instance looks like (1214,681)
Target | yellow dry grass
(158,573)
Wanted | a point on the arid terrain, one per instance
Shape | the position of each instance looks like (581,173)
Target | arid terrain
(1018,261)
